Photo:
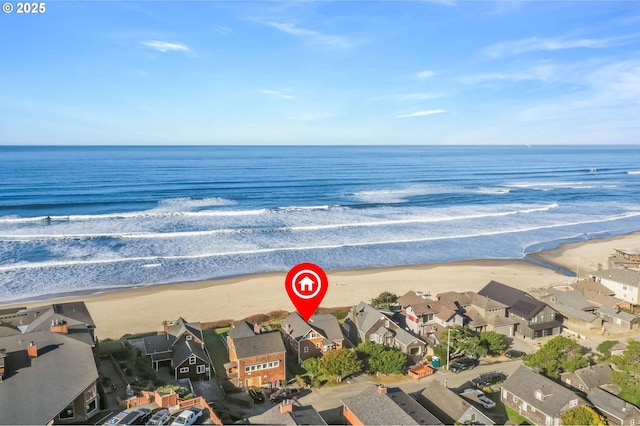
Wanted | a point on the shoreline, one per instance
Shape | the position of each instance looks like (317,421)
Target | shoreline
(141,309)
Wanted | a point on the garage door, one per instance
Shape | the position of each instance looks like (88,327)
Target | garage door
(254,382)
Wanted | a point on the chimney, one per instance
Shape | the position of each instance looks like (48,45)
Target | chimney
(3,355)
(382,390)
(165,326)
(32,350)
(286,406)
(59,326)
(256,329)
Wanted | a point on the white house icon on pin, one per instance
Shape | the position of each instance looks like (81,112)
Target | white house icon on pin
(306,284)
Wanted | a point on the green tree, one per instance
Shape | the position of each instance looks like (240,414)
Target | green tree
(583,415)
(313,366)
(558,355)
(384,299)
(368,350)
(605,347)
(627,374)
(493,341)
(340,363)
(391,361)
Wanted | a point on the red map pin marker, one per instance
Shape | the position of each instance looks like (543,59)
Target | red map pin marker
(306,286)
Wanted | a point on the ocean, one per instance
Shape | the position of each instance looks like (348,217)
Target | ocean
(96,218)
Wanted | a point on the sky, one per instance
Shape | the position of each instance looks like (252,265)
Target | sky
(442,72)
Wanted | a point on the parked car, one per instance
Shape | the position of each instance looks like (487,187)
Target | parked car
(256,395)
(463,364)
(514,354)
(481,398)
(488,379)
(283,394)
(187,417)
(133,417)
(160,417)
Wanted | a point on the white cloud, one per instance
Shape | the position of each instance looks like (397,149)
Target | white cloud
(311,35)
(163,46)
(533,44)
(422,113)
(546,72)
(276,94)
(425,74)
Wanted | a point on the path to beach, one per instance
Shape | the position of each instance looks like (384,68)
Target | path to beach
(139,310)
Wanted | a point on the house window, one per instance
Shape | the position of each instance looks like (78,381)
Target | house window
(262,366)
(92,406)
(192,359)
(317,345)
(515,399)
(524,407)
(306,349)
(201,369)
(312,335)
(504,393)
(580,387)
(184,369)
(189,337)
(533,409)
(632,422)
(472,417)
(573,403)
(541,317)
(67,413)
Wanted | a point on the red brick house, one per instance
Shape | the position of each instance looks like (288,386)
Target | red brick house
(181,346)
(311,339)
(256,358)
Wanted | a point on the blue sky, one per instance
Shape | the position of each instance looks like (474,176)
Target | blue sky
(322,72)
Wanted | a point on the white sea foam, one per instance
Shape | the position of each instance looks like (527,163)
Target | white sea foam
(186,204)
(634,172)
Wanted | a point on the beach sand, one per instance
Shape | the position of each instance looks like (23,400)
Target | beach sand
(143,309)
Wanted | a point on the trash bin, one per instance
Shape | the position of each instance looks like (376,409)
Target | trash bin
(435,362)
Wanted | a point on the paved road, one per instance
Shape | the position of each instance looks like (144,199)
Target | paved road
(327,400)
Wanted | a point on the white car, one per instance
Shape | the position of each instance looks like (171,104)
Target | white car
(187,417)
(482,398)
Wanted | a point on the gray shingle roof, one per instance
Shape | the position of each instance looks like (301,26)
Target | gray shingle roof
(301,415)
(595,375)
(611,404)
(519,302)
(625,316)
(183,350)
(625,276)
(524,383)
(367,316)
(325,324)
(35,390)
(392,408)
(259,344)
(448,406)
(242,329)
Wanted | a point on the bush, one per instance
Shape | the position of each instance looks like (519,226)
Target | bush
(216,324)
(257,319)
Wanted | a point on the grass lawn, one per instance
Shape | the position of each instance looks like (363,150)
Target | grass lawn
(500,413)
(217,349)
(516,418)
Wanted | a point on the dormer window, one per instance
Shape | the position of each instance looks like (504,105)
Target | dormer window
(192,359)
(573,403)
(539,396)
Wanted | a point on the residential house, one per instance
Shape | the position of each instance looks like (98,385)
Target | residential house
(617,320)
(256,358)
(538,398)
(48,372)
(616,410)
(449,407)
(286,413)
(533,318)
(599,295)
(481,313)
(379,405)
(313,338)
(181,346)
(424,314)
(588,378)
(625,259)
(367,323)
(625,283)
(573,306)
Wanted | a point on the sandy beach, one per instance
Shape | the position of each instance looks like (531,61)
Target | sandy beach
(143,309)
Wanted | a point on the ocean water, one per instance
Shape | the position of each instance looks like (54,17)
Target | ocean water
(94,218)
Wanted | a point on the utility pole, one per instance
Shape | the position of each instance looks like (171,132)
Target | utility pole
(448,345)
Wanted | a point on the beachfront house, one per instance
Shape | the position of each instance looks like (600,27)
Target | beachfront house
(625,283)
(48,373)
(625,259)
(533,318)
(288,413)
(424,314)
(313,338)
(379,405)
(481,313)
(180,346)
(256,358)
(449,407)
(538,398)
(366,323)
(576,310)
(617,320)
